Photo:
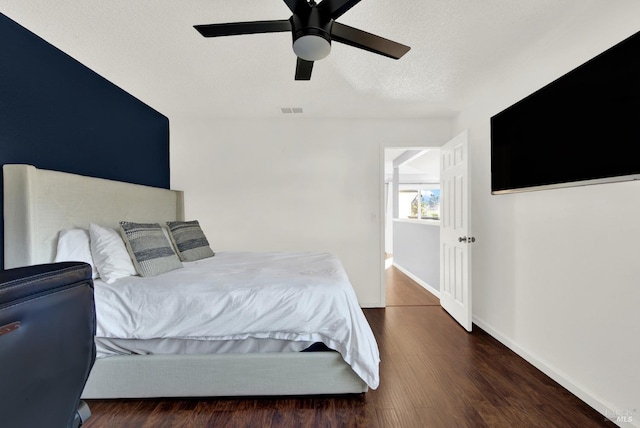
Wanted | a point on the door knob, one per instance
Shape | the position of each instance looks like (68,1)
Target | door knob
(465,239)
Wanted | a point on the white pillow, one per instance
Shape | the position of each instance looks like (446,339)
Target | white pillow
(74,246)
(109,254)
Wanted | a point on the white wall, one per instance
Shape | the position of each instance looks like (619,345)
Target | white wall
(556,273)
(416,251)
(294,184)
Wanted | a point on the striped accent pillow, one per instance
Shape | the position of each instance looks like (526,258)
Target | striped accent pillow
(149,249)
(189,240)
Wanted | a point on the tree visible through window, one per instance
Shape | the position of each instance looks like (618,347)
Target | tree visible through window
(421,204)
(426,205)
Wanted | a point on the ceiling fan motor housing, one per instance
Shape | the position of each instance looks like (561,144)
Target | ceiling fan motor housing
(311,35)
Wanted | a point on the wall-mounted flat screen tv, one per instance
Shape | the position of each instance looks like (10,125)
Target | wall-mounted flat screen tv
(583,128)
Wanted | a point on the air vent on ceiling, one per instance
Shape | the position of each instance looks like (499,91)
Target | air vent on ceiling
(287,110)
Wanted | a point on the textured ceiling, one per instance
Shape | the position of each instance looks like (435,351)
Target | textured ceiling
(150,49)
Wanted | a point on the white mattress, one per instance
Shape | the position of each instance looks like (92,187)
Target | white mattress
(106,346)
(292,297)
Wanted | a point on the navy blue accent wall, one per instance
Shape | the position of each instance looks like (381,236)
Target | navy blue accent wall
(57,114)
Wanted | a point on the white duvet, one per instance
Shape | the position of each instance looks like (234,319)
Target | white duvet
(238,295)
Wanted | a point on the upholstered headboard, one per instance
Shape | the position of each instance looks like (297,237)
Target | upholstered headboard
(39,203)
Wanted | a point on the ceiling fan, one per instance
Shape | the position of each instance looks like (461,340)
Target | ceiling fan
(313,28)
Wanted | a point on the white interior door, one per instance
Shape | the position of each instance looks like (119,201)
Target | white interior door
(455,238)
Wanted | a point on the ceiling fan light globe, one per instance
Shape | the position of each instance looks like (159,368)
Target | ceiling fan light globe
(311,47)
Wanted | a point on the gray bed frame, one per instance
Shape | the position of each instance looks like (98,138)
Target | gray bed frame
(39,203)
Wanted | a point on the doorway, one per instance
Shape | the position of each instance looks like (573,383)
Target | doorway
(452,253)
(411,225)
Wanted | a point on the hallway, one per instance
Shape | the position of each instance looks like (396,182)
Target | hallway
(403,291)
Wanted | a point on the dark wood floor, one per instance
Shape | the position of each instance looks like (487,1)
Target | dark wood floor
(433,374)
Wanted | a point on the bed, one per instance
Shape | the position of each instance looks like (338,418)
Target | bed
(38,204)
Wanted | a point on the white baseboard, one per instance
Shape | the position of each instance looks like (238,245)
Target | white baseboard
(606,409)
(365,305)
(423,284)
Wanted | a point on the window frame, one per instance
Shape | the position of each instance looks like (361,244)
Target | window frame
(417,188)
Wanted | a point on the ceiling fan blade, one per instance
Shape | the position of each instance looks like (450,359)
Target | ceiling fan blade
(303,69)
(335,8)
(236,28)
(367,41)
(297,7)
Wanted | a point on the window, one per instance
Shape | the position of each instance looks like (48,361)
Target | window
(418,202)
